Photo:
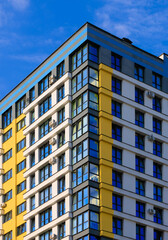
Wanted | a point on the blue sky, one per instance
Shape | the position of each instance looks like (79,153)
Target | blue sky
(30,30)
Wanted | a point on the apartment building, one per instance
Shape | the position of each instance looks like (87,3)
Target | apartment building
(84,144)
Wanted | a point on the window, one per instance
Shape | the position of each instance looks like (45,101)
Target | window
(80,80)
(157,193)
(45,172)
(140,232)
(61,139)
(156,81)
(80,223)
(116,85)
(157,148)
(157,170)
(46,235)
(32,181)
(139,118)
(157,106)
(61,116)
(8,236)
(21,144)
(45,106)
(61,93)
(60,70)
(21,187)
(21,166)
(45,217)
(7,155)
(79,128)
(93,101)
(45,195)
(21,229)
(93,148)
(45,150)
(158,235)
(94,220)
(61,162)
(139,141)
(7,216)
(116,132)
(32,224)
(79,104)
(32,116)
(139,96)
(79,57)
(32,203)
(116,61)
(93,53)
(7,135)
(94,172)
(157,218)
(21,208)
(21,124)
(116,155)
(80,199)
(61,208)
(8,196)
(117,202)
(43,85)
(80,151)
(157,126)
(20,105)
(61,185)
(61,231)
(93,77)
(32,159)
(140,210)
(79,175)
(117,226)
(7,118)
(94,196)
(116,109)
(139,73)
(32,138)
(31,95)
(117,179)
(7,176)
(140,187)
(93,124)
(140,164)
(45,128)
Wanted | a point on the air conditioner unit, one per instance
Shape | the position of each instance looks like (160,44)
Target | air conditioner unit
(52,141)
(2,212)
(52,123)
(151,211)
(1,131)
(52,79)
(3,205)
(150,94)
(151,138)
(1,151)
(1,232)
(2,191)
(53,237)
(52,160)
(2,171)
(27,100)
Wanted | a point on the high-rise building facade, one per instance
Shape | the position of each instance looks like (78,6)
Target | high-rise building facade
(84,144)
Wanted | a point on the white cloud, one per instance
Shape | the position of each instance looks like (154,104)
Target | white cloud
(30,58)
(138,20)
(19,5)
